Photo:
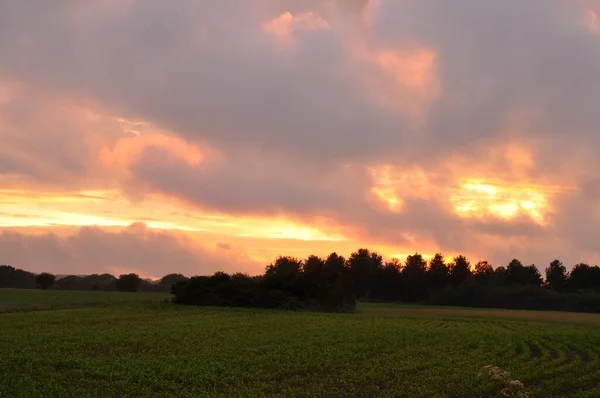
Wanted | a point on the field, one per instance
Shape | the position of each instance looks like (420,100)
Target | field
(116,344)
(14,300)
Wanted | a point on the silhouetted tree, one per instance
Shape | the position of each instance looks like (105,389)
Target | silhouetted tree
(313,265)
(594,276)
(364,267)
(533,276)
(557,276)
(414,277)
(334,265)
(129,283)
(314,282)
(149,285)
(104,281)
(69,282)
(284,274)
(45,280)
(579,277)
(284,266)
(437,273)
(484,273)
(92,282)
(460,270)
(339,292)
(501,276)
(16,278)
(584,277)
(388,285)
(167,281)
(518,274)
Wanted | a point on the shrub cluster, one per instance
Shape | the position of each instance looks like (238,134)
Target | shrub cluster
(287,284)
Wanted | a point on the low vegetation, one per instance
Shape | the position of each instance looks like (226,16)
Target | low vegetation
(16,300)
(155,348)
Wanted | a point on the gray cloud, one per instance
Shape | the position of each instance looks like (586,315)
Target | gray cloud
(209,72)
(133,249)
(251,183)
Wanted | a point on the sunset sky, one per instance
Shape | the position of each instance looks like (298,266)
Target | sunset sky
(194,136)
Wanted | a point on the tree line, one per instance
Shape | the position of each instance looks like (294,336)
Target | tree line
(11,277)
(335,283)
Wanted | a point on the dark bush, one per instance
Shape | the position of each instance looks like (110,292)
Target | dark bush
(45,280)
(285,285)
(167,281)
(129,283)
(16,278)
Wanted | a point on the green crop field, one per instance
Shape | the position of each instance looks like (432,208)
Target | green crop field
(116,345)
(14,300)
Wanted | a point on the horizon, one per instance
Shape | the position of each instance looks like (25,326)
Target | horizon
(400,262)
(143,138)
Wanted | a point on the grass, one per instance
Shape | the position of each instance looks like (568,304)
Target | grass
(146,347)
(15,300)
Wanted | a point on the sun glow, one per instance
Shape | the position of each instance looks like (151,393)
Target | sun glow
(388,196)
(385,188)
(475,198)
(111,208)
(470,198)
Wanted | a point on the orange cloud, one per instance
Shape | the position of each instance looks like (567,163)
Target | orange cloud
(402,79)
(6,93)
(128,150)
(413,70)
(284,26)
(393,184)
(592,21)
(414,75)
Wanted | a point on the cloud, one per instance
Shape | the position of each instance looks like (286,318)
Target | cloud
(150,253)
(181,68)
(480,119)
(182,73)
(52,141)
(250,184)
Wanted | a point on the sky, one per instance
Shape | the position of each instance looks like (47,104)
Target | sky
(142,136)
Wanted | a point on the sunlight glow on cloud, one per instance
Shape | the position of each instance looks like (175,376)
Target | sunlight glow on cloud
(414,75)
(22,208)
(128,150)
(5,94)
(284,26)
(592,20)
(480,199)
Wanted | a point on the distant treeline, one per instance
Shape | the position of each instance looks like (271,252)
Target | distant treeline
(11,277)
(335,283)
